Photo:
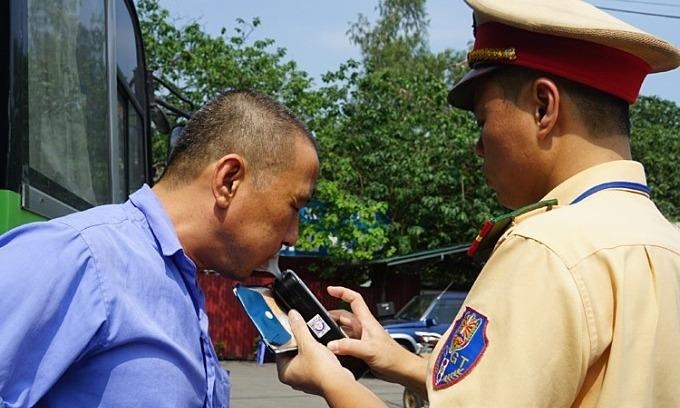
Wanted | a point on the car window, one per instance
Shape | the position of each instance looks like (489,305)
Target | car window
(445,310)
(415,308)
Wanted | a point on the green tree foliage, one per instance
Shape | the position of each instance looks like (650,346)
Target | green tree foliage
(391,137)
(399,173)
(202,65)
(399,35)
(398,169)
(655,142)
(404,145)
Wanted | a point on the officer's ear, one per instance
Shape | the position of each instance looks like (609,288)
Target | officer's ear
(227,177)
(546,97)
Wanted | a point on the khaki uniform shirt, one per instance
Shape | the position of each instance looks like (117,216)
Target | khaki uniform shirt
(577,306)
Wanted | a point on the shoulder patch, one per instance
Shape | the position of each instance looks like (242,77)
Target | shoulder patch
(462,350)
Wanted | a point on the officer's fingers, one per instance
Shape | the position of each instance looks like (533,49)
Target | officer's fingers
(365,321)
(347,321)
(283,360)
(383,355)
(299,328)
(336,291)
(306,370)
(293,369)
(344,317)
(341,316)
(365,349)
(352,347)
(354,299)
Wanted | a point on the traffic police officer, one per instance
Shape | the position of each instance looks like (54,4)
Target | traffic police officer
(577,304)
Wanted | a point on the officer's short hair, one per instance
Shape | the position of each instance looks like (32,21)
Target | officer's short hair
(602,113)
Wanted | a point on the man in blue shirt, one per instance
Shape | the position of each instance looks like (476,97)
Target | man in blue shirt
(102,309)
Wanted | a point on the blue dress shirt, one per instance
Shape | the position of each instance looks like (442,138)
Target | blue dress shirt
(102,308)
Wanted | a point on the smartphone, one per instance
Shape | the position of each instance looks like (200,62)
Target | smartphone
(292,293)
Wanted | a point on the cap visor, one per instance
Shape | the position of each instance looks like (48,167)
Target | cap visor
(462,94)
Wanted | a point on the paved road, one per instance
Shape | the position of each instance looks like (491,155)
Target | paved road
(257,386)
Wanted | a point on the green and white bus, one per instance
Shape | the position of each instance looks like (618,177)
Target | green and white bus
(75,107)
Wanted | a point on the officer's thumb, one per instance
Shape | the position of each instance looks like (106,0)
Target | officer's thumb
(350,347)
(299,327)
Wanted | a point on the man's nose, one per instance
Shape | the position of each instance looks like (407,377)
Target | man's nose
(291,236)
(479,147)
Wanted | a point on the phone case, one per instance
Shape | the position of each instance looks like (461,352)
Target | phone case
(292,293)
(269,318)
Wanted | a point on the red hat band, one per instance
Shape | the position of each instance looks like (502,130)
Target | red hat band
(605,68)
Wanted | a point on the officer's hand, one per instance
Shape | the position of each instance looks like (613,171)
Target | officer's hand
(387,359)
(314,369)
(347,321)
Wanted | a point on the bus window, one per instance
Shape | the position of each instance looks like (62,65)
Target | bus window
(76,130)
(132,162)
(68,143)
(131,100)
(137,168)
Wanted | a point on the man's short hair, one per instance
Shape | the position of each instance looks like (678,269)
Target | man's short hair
(602,113)
(243,122)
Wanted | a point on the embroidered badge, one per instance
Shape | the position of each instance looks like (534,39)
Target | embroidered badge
(462,351)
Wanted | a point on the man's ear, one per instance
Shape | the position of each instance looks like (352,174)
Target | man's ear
(547,104)
(227,176)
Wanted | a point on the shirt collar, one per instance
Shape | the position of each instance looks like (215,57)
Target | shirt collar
(161,227)
(619,170)
(568,190)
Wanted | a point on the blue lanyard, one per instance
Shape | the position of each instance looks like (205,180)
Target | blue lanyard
(612,184)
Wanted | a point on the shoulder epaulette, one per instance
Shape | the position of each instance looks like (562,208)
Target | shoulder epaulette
(493,229)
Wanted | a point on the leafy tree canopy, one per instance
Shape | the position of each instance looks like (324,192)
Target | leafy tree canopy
(655,140)
(399,174)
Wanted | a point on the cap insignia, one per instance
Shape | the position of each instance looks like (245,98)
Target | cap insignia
(491,55)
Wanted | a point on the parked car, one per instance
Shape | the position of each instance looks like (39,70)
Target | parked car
(430,311)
